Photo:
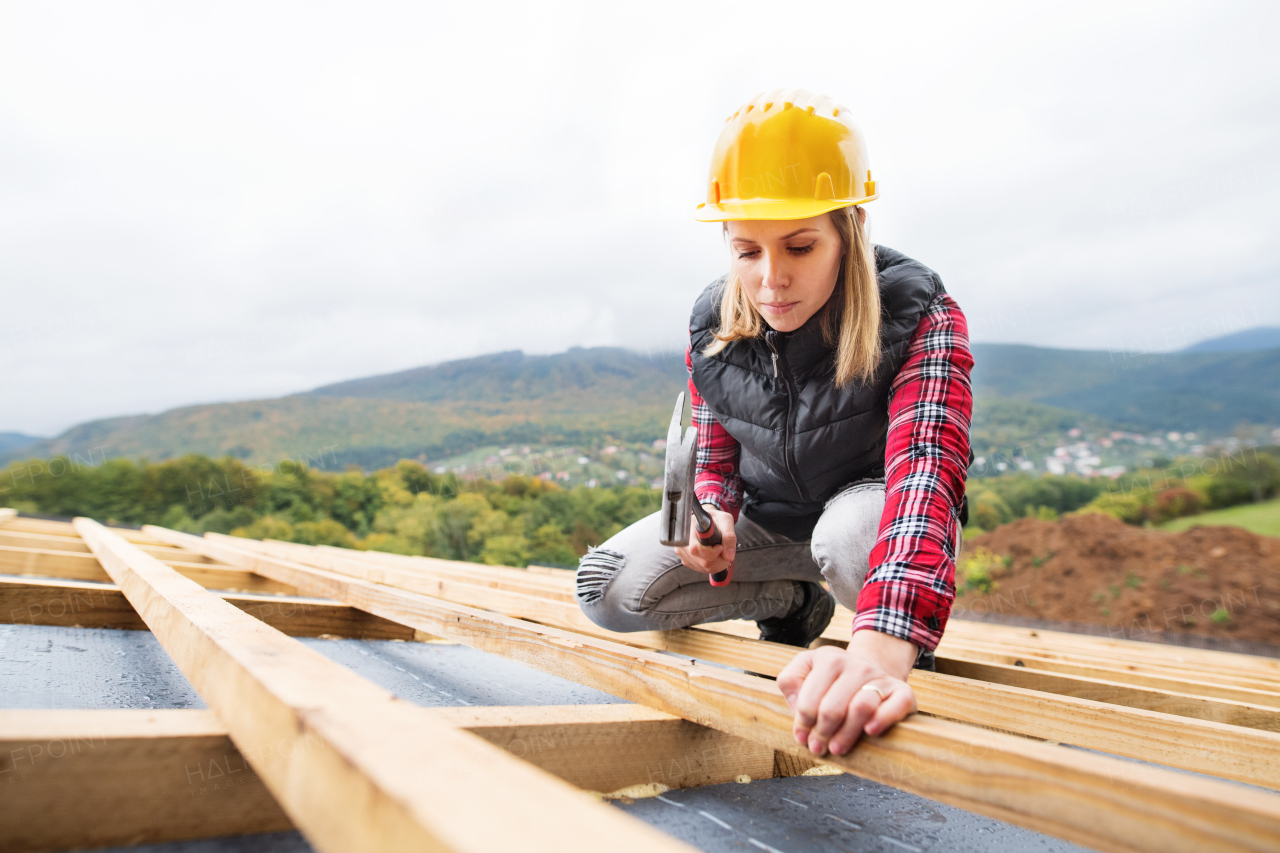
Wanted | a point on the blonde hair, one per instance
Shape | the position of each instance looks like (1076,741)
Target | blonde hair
(850,318)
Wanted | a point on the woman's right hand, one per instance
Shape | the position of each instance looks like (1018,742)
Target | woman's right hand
(713,558)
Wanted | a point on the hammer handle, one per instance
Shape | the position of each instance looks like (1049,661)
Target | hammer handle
(709,534)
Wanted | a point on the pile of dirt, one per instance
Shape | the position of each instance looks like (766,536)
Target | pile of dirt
(1213,581)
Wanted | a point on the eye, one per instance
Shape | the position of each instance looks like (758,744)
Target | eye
(751,253)
(801,250)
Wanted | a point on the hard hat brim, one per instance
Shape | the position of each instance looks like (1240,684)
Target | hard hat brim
(728,211)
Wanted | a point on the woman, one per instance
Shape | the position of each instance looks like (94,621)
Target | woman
(830,388)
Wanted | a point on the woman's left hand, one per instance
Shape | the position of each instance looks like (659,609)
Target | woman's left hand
(837,694)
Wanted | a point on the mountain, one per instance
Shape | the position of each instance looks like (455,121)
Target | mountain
(16,441)
(600,373)
(1259,337)
(429,413)
(1204,391)
(603,394)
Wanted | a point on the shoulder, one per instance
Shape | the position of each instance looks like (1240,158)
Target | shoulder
(906,285)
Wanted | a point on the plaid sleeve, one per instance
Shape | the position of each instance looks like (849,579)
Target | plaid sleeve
(911,583)
(716,479)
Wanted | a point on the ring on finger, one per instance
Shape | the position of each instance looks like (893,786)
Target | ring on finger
(872,687)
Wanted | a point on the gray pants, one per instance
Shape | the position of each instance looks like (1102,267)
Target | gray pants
(631,583)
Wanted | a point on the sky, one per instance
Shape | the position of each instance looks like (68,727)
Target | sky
(209,202)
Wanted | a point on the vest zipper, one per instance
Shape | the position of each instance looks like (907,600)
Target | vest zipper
(771,338)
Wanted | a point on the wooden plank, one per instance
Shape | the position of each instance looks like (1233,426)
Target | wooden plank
(1163,741)
(354,768)
(494,577)
(1101,802)
(65,528)
(606,748)
(177,775)
(768,658)
(1215,749)
(708,646)
(80,779)
(74,565)
(1253,680)
(7,515)
(1114,693)
(14,539)
(1123,649)
(79,604)
(1190,683)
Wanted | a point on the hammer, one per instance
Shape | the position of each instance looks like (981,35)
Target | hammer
(679,503)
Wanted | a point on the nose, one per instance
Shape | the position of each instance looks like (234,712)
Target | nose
(775,270)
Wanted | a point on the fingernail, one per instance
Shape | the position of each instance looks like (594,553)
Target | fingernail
(837,748)
(791,701)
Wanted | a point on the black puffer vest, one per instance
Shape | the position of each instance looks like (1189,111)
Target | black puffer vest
(802,439)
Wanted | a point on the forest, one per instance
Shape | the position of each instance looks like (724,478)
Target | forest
(520,520)
(403,509)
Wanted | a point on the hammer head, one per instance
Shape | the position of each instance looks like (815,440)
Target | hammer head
(677,482)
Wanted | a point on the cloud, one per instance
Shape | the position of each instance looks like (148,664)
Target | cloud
(239,201)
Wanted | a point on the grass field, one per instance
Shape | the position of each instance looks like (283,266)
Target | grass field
(1261,518)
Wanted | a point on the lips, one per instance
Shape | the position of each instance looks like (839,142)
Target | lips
(778,307)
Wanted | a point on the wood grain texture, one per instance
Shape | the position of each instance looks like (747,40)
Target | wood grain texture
(97,778)
(1159,654)
(1166,738)
(1102,802)
(1115,693)
(1119,663)
(74,565)
(1198,684)
(79,604)
(354,768)
(81,779)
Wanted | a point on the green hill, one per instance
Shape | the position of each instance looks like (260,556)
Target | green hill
(576,397)
(593,396)
(1210,392)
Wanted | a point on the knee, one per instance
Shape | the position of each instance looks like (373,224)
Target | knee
(599,594)
(844,537)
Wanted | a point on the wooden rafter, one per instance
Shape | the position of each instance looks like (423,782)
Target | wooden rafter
(753,655)
(1102,802)
(353,767)
(176,774)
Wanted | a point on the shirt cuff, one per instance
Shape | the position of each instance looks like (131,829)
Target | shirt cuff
(904,611)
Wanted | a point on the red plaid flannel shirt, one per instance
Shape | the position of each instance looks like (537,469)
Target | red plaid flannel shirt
(911,584)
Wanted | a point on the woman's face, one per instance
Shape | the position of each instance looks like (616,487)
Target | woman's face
(788,267)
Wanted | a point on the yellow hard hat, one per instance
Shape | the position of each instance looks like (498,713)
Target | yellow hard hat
(788,154)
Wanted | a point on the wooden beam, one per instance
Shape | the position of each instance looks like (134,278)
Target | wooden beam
(354,768)
(1196,684)
(1215,749)
(606,748)
(1119,648)
(1132,652)
(17,539)
(1256,681)
(1088,721)
(65,528)
(75,565)
(1102,802)
(1115,693)
(767,658)
(78,604)
(88,779)
(177,775)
